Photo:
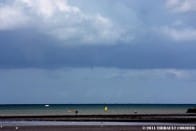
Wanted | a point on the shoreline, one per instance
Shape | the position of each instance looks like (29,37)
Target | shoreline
(126,122)
(182,118)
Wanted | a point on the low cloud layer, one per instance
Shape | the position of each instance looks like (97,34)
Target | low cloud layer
(42,52)
(98,85)
(60,20)
(113,51)
(182,6)
(130,34)
(180,35)
(99,23)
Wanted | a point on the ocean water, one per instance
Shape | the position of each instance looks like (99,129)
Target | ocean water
(87,109)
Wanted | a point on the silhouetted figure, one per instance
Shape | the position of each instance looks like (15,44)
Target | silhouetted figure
(76,112)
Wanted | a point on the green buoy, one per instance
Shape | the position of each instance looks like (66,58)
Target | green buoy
(105,108)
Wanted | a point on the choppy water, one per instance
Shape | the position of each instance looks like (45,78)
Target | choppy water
(69,109)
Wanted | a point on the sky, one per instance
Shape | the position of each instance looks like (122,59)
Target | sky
(97,51)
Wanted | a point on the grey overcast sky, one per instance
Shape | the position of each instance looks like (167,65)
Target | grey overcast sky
(97,51)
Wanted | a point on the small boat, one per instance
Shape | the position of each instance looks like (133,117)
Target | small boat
(46,105)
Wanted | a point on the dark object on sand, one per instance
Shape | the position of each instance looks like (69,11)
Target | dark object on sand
(191,110)
(76,112)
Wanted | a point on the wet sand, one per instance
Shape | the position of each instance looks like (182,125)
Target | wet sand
(101,128)
(126,117)
(72,128)
(93,126)
(133,122)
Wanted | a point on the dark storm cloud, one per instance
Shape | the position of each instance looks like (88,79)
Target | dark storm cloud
(155,35)
(29,49)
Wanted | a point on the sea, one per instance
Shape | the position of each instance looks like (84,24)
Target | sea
(92,109)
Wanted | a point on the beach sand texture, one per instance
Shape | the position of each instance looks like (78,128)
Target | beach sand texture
(72,128)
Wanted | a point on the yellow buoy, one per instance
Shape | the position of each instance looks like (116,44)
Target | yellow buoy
(105,108)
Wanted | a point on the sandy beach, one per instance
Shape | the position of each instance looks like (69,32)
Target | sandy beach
(182,122)
(119,118)
(93,126)
(72,128)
